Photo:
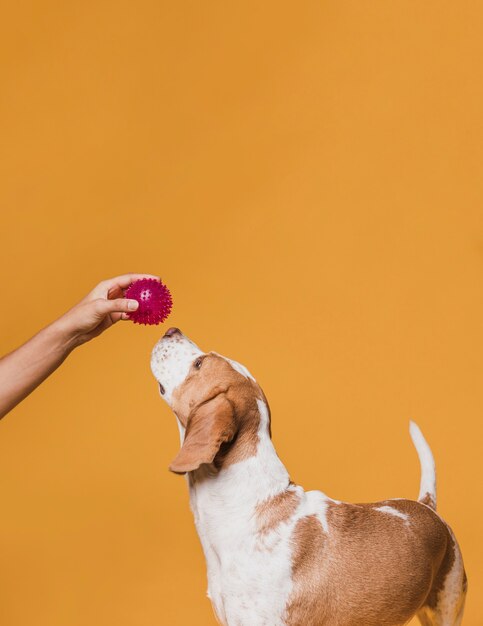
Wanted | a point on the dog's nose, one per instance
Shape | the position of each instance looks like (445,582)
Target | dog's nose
(172,331)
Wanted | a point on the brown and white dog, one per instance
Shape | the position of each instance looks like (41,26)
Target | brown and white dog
(279,555)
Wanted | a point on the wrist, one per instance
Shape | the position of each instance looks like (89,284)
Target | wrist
(61,337)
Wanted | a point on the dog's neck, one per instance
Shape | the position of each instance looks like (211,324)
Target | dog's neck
(235,491)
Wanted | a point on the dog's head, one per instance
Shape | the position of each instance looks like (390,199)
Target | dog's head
(216,400)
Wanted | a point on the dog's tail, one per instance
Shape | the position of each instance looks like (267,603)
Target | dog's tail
(427,488)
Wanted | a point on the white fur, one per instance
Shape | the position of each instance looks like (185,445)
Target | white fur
(241,369)
(391,511)
(171,359)
(428,469)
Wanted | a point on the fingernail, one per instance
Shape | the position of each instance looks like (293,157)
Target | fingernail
(132,305)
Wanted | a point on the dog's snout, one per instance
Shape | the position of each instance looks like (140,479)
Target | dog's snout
(172,359)
(172,331)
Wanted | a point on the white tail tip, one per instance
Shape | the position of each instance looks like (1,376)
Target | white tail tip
(427,489)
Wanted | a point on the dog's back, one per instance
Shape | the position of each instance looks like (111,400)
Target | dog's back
(379,565)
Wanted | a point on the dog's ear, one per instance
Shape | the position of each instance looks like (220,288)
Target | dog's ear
(208,427)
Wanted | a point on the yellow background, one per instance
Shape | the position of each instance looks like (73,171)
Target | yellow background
(306,178)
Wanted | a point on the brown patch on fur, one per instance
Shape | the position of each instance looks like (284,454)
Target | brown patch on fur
(274,511)
(371,569)
(218,407)
(428,500)
(308,542)
(209,427)
(442,573)
(307,604)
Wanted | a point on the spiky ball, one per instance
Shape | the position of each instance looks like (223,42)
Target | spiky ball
(155,301)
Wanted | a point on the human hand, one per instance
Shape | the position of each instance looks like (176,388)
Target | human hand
(99,310)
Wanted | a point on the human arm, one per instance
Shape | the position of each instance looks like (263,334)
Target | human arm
(25,368)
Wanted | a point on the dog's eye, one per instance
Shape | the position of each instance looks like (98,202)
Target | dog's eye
(161,389)
(197,363)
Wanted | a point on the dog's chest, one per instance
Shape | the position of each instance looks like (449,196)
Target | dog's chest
(249,575)
(249,578)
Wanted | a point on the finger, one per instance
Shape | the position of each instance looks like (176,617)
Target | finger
(126,279)
(119,305)
(115,292)
(115,317)
(119,282)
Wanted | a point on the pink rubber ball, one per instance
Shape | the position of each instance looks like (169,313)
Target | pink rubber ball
(155,301)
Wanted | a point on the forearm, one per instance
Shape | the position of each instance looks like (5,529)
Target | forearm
(24,369)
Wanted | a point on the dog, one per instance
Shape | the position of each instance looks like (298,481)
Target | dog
(278,555)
